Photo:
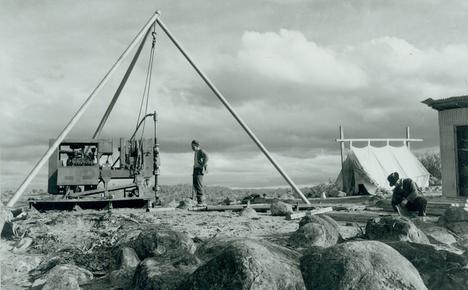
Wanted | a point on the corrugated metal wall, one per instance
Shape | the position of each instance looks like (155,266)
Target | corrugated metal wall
(448,120)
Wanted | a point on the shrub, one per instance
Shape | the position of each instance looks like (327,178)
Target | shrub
(431,161)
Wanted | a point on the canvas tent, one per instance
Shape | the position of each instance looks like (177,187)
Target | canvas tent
(370,166)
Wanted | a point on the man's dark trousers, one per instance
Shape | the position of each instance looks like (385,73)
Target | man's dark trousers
(419,205)
(198,183)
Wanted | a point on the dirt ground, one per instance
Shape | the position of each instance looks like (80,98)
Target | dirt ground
(85,237)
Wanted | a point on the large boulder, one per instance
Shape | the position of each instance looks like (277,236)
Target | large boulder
(153,274)
(248,264)
(394,228)
(456,220)
(358,265)
(279,208)
(66,277)
(162,242)
(439,269)
(314,230)
(436,234)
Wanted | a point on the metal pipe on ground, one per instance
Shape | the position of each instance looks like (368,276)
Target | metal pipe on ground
(80,112)
(233,113)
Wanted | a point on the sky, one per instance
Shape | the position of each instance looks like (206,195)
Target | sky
(293,70)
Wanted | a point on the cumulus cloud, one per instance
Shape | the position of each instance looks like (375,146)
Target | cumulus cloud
(288,56)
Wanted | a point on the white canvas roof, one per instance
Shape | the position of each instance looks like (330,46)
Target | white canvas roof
(371,165)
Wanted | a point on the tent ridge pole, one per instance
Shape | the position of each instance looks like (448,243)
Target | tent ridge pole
(342,157)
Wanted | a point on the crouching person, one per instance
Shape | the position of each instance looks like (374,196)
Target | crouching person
(406,194)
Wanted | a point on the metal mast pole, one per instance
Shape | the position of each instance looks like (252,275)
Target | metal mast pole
(120,88)
(80,112)
(233,113)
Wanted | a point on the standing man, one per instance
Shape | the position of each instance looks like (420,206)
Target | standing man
(200,163)
(406,194)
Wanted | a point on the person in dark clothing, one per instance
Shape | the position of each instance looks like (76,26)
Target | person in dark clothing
(406,194)
(200,164)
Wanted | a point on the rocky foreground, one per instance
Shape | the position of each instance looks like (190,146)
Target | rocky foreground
(180,249)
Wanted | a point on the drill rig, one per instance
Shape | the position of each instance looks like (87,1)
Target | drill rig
(81,170)
(84,172)
(78,166)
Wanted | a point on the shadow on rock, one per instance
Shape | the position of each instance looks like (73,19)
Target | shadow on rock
(438,268)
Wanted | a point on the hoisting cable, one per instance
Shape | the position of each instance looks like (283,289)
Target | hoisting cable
(146,90)
(150,72)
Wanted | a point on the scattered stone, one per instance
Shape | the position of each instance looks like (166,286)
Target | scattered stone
(394,228)
(38,283)
(45,266)
(173,204)
(248,264)
(248,212)
(76,207)
(254,198)
(341,194)
(316,230)
(9,231)
(439,269)
(358,265)
(66,276)
(187,203)
(279,208)
(23,245)
(5,216)
(128,258)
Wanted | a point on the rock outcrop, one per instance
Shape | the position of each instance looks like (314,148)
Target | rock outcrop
(247,264)
(316,230)
(66,277)
(158,241)
(439,269)
(394,228)
(359,265)
(456,220)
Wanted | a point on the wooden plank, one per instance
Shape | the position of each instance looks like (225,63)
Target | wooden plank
(298,215)
(358,217)
(161,209)
(266,206)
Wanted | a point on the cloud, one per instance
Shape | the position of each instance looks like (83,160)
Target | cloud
(294,72)
(288,56)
